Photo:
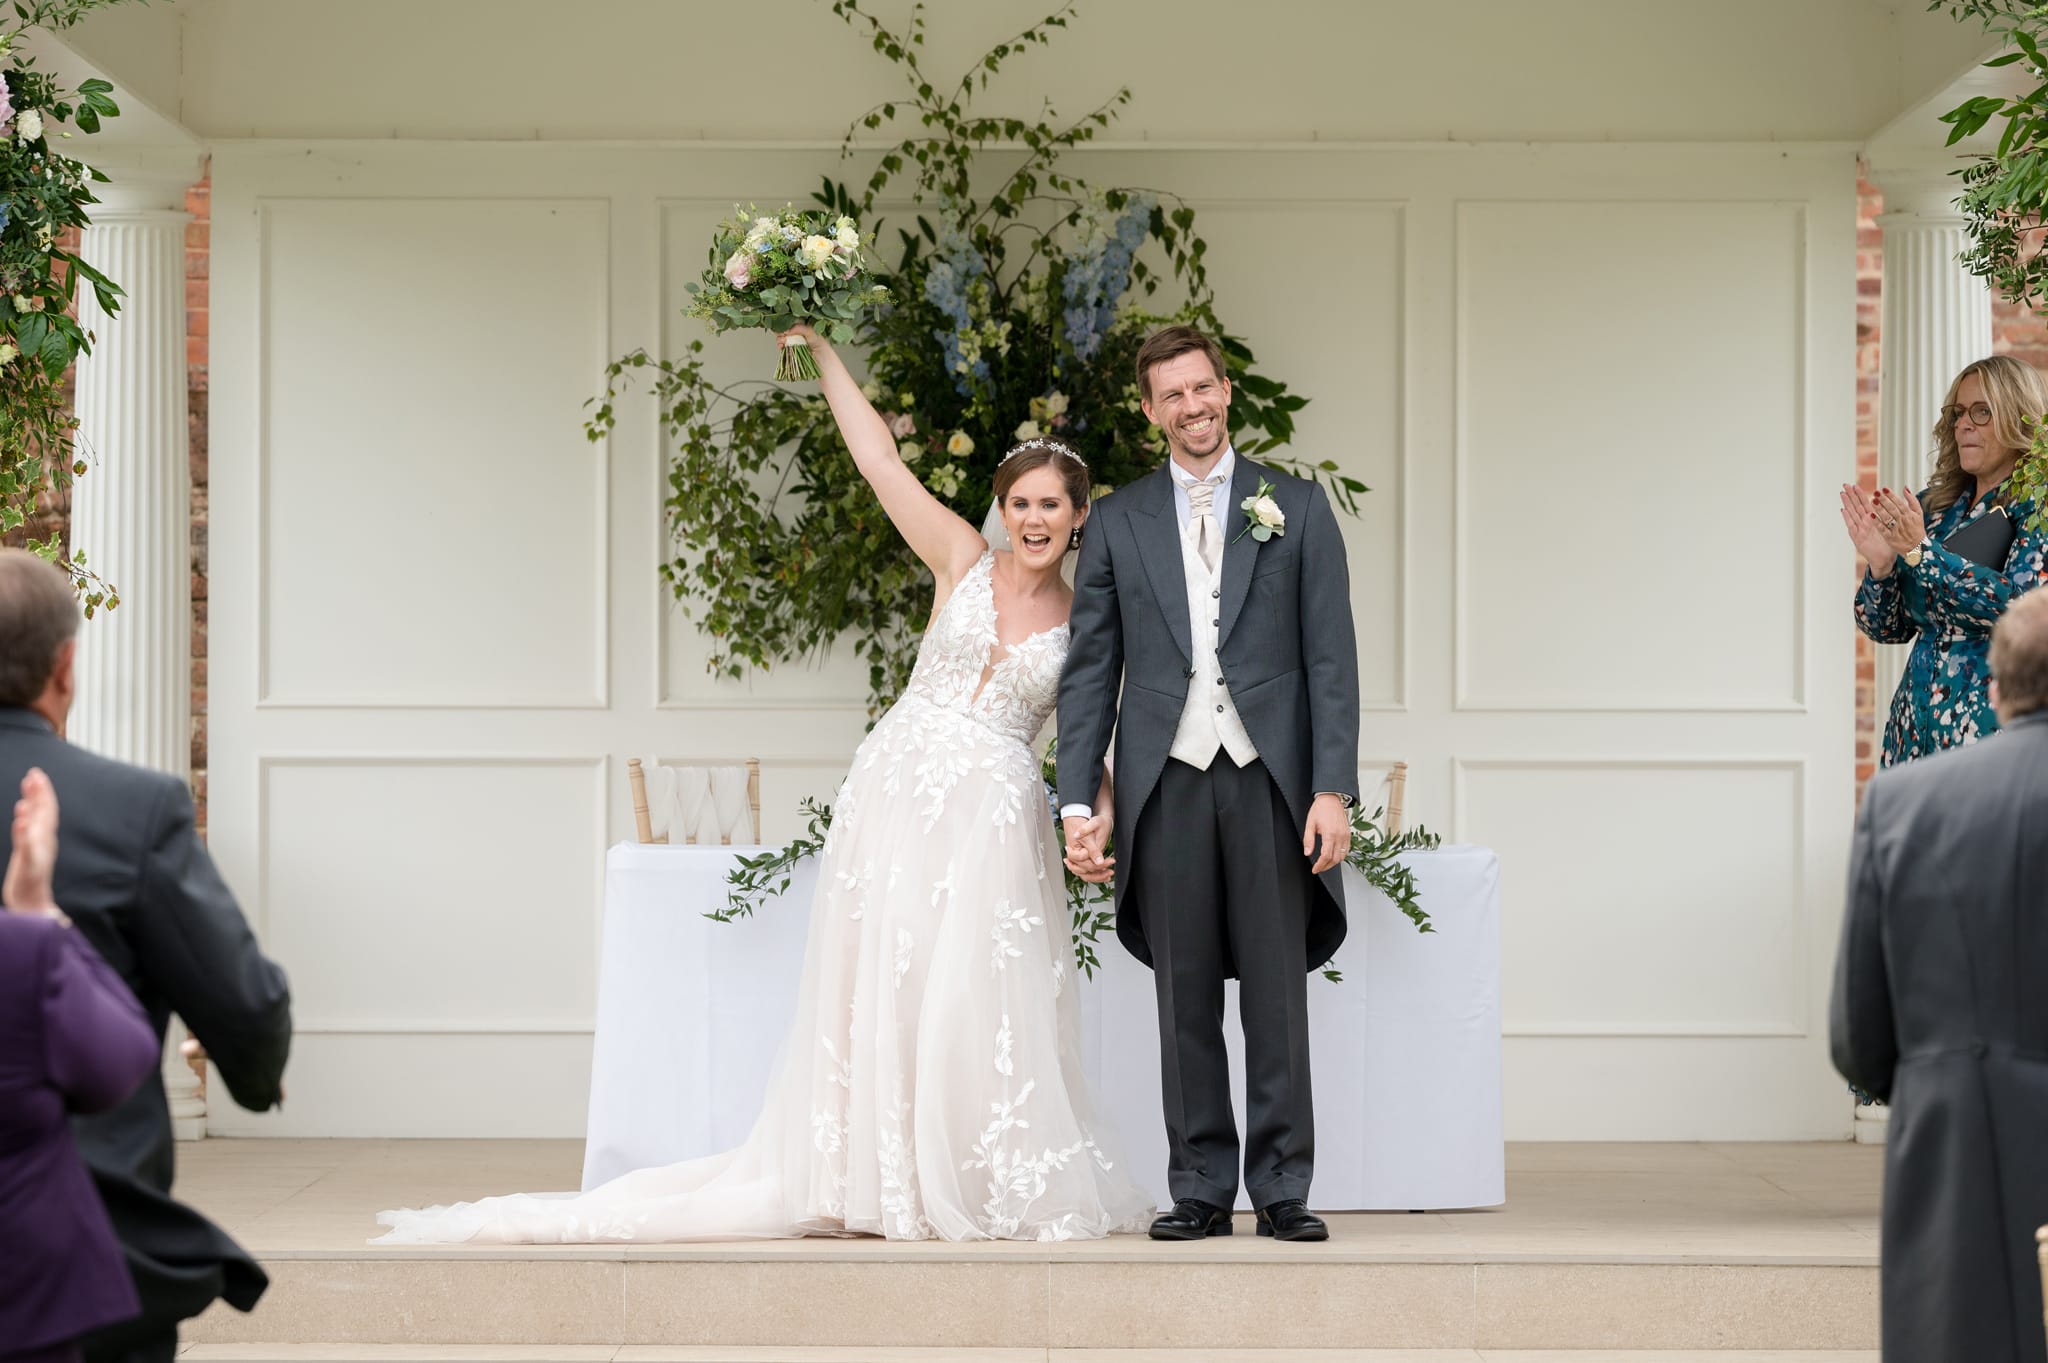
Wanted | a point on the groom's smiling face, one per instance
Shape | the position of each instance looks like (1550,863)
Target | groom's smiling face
(1190,401)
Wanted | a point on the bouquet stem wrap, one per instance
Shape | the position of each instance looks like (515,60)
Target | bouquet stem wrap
(797,360)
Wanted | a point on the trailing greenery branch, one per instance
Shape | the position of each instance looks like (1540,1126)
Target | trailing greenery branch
(756,880)
(1377,857)
(1091,908)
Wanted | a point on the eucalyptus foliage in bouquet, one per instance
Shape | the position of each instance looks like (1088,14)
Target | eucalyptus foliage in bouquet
(44,195)
(1017,301)
(774,271)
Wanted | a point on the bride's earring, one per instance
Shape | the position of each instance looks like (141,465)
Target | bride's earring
(1074,540)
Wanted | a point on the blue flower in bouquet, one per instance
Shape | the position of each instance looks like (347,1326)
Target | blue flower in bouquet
(1099,270)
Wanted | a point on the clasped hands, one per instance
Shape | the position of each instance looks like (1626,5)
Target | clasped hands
(1882,524)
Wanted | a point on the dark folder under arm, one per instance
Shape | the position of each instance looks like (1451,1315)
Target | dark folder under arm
(1986,540)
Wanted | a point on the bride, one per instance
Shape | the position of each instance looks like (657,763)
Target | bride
(930,1085)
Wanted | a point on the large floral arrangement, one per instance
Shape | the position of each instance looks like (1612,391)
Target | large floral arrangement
(44,197)
(1017,302)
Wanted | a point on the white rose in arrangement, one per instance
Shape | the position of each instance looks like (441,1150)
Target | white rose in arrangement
(1056,405)
(902,424)
(910,451)
(739,269)
(816,252)
(29,125)
(960,444)
(945,480)
(871,390)
(1028,431)
(846,236)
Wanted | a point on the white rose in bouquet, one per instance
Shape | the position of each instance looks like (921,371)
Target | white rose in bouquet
(816,252)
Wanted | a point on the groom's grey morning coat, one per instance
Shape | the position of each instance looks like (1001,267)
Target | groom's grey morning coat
(1287,651)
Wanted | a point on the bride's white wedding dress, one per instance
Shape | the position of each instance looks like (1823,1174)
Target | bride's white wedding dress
(931,1083)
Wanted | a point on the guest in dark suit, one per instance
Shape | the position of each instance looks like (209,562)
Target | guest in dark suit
(72,1039)
(1939,1009)
(134,877)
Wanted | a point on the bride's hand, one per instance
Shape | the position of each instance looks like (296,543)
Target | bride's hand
(1086,839)
(810,335)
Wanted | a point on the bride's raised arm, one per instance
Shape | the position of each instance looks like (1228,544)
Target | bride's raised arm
(948,545)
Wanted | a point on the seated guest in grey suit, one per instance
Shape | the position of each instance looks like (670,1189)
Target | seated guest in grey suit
(72,1039)
(1940,1009)
(137,882)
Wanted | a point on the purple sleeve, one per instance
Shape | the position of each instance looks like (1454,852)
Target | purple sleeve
(97,1042)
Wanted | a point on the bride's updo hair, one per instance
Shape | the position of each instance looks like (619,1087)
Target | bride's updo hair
(1044,452)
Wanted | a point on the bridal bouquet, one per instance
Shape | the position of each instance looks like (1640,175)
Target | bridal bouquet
(773,271)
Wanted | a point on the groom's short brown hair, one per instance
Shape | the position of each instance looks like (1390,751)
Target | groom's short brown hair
(1169,343)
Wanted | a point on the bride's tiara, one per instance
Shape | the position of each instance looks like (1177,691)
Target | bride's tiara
(1039,442)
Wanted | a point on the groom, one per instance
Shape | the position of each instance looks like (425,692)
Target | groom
(1236,766)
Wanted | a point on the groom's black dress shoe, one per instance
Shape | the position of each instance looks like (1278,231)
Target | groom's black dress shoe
(1291,1220)
(1191,1219)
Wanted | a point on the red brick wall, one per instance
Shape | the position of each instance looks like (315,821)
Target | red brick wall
(1869,286)
(2014,331)
(199,203)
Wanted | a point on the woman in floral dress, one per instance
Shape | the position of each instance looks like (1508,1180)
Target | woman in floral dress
(1918,591)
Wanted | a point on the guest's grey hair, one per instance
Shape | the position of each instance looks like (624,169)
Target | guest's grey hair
(2019,654)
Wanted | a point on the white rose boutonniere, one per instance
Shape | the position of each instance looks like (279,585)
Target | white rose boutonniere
(1263,517)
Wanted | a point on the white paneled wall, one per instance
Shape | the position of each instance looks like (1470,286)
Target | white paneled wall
(1599,393)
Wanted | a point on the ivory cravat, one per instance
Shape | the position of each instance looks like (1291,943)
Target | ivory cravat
(1208,535)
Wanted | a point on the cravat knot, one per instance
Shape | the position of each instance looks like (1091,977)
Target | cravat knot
(1207,534)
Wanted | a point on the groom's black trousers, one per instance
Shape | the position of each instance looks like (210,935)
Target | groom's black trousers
(1221,888)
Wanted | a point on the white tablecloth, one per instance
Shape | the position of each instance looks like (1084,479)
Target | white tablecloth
(1406,1050)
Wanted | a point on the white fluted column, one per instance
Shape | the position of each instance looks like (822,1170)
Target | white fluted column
(1937,318)
(131,512)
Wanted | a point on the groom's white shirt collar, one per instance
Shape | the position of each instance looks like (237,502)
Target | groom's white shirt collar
(1221,475)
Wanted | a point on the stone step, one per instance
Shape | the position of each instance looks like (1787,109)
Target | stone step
(1038,1298)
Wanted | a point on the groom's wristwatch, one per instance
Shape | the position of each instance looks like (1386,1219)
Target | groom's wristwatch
(1348,800)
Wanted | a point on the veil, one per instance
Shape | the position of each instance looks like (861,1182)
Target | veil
(993,530)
